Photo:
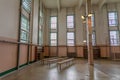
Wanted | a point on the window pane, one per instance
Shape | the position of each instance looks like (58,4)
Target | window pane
(40,37)
(92,20)
(70,35)
(53,42)
(114,37)
(53,26)
(24,36)
(70,21)
(53,19)
(24,23)
(24,29)
(53,39)
(41,14)
(26,4)
(113,21)
(53,36)
(70,38)
(93,38)
(53,23)
(71,41)
(70,25)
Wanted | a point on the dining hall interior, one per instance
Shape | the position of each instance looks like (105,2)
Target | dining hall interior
(59,39)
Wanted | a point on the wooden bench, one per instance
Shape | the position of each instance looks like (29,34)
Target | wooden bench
(68,62)
(53,61)
(43,61)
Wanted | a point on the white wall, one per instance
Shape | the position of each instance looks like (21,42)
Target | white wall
(9,22)
(101,23)
(62,27)
(9,18)
(79,26)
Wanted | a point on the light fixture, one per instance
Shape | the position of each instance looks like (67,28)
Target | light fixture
(89,15)
(84,41)
(83,17)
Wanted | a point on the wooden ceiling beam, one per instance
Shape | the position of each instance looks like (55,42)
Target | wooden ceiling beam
(80,3)
(58,5)
(101,3)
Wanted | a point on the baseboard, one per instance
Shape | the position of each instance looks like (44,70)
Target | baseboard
(12,70)
(8,71)
(80,57)
(104,58)
(32,62)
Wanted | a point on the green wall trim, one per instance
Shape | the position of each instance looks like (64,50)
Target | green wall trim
(32,62)
(103,57)
(23,65)
(13,69)
(8,71)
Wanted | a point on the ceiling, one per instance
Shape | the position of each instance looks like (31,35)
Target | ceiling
(72,3)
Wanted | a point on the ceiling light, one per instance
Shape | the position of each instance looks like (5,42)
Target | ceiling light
(89,15)
(84,41)
(83,17)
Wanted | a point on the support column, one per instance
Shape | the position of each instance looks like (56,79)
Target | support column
(89,32)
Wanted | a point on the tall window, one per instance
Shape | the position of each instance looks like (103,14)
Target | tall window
(40,35)
(26,4)
(93,20)
(41,21)
(93,38)
(70,21)
(53,39)
(24,29)
(53,22)
(53,31)
(70,39)
(113,20)
(114,37)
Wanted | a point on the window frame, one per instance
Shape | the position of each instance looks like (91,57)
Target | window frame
(53,30)
(71,39)
(116,19)
(93,21)
(70,22)
(26,9)
(117,43)
(54,23)
(23,30)
(53,39)
(94,39)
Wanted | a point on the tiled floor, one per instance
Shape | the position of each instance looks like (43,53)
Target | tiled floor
(102,70)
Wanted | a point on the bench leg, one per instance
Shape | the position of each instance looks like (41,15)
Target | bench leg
(58,67)
(49,64)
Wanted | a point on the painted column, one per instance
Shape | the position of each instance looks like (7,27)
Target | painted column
(89,33)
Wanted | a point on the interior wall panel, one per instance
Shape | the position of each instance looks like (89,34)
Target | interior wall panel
(46,51)
(32,55)
(8,56)
(80,51)
(23,54)
(53,51)
(9,18)
(62,51)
